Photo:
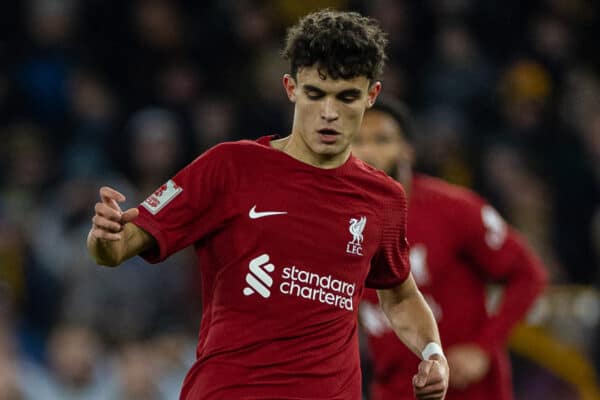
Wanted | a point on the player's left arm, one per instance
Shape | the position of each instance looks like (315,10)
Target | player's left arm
(402,302)
(413,322)
(502,256)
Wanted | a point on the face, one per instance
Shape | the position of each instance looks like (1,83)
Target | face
(328,113)
(381,143)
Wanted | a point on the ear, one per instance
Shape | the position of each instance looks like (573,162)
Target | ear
(289,84)
(374,91)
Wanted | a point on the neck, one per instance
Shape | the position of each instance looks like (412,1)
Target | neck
(405,177)
(295,147)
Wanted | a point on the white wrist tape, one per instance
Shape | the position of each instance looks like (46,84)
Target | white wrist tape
(431,349)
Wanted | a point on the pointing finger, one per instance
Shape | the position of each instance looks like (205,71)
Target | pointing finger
(107,194)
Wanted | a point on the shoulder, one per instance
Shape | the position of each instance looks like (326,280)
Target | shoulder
(376,180)
(229,153)
(431,189)
(238,147)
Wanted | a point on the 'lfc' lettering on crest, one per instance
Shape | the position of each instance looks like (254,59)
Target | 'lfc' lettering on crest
(357,226)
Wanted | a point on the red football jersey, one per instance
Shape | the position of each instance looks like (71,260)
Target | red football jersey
(285,250)
(459,244)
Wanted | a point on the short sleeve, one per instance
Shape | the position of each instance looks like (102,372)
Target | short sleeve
(487,239)
(188,207)
(390,266)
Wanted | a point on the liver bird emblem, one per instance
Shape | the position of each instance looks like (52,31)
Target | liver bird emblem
(357,226)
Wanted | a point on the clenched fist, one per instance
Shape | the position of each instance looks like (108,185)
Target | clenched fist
(431,380)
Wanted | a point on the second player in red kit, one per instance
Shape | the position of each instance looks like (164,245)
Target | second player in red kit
(288,232)
(459,245)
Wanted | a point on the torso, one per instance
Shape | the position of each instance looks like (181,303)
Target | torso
(281,290)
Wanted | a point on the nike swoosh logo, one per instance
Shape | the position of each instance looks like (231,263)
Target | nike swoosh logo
(253,214)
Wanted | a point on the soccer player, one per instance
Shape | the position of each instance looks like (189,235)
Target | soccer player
(288,232)
(459,245)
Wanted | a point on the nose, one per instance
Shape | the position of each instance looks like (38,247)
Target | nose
(328,111)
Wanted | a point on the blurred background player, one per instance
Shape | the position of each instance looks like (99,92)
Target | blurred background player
(459,246)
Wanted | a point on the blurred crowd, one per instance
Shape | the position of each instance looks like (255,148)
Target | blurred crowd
(103,92)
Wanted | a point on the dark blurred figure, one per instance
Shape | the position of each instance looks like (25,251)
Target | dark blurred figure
(30,169)
(94,113)
(213,121)
(458,74)
(526,121)
(576,174)
(155,147)
(158,36)
(524,198)
(45,68)
(443,145)
(263,108)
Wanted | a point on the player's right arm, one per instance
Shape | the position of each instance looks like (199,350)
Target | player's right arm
(113,238)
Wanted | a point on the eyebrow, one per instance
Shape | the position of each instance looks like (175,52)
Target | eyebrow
(350,92)
(311,88)
(343,93)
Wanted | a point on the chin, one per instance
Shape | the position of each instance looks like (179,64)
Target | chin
(329,149)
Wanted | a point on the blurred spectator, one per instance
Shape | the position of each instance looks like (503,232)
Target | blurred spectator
(76,365)
(155,148)
(45,69)
(10,383)
(525,117)
(442,146)
(93,110)
(138,374)
(262,106)
(551,40)
(458,75)
(576,174)
(29,171)
(213,121)
(173,351)
(178,84)
(523,197)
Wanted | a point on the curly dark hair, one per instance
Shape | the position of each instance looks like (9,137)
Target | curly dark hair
(342,45)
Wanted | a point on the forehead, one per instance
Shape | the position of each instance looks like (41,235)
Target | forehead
(311,76)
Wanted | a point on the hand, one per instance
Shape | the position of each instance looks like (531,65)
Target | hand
(109,219)
(431,382)
(469,364)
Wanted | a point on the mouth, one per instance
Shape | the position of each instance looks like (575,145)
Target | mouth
(328,135)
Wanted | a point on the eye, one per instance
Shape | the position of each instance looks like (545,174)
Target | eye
(313,94)
(349,98)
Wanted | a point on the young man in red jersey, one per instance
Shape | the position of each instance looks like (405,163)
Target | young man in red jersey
(459,245)
(288,232)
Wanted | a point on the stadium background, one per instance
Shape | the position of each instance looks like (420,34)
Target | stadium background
(94,92)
